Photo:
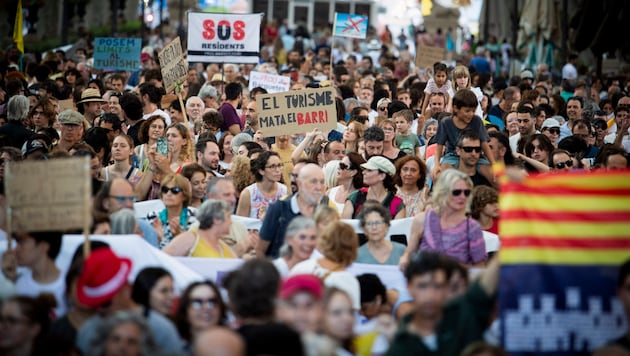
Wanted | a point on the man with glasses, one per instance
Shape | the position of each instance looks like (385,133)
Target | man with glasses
(600,127)
(118,194)
(72,130)
(469,151)
(583,130)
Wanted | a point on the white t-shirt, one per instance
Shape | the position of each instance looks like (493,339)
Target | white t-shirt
(27,286)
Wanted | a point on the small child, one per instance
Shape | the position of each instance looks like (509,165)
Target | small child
(438,84)
(464,104)
(405,139)
(461,80)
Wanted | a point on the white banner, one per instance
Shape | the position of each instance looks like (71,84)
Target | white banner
(223,38)
(271,82)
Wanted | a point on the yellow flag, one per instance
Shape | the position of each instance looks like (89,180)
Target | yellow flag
(18,37)
(425,7)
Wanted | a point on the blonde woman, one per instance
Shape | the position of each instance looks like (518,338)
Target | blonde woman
(352,136)
(445,227)
(461,80)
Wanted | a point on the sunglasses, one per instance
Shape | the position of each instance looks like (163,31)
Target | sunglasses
(562,165)
(554,131)
(344,167)
(458,192)
(174,190)
(469,149)
(208,303)
(362,118)
(382,108)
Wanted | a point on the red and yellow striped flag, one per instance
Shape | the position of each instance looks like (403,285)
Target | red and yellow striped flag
(563,238)
(569,219)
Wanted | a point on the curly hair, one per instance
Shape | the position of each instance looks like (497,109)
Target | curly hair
(143,133)
(482,195)
(339,243)
(241,173)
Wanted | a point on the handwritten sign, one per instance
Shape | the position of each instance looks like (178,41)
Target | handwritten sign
(223,38)
(426,56)
(297,111)
(173,66)
(273,83)
(117,53)
(49,195)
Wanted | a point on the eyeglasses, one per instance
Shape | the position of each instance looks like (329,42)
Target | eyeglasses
(458,192)
(275,166)
(122,199)
(601,127)
(374,223)
(562,165)
(554,131)
(345,167)
(174,190)
(469,149)
(362,118)
(388,129)
(199,303)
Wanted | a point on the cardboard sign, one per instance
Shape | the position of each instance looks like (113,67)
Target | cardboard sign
(273,83)
(117,53)
(173,65)
(426,56)
(49,195)
(297,111)
(223,38)
(348,25)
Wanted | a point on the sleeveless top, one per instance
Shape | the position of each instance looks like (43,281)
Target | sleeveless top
(132,176)
(201,248)
(357,198)
(463,242)
(259,203)
(331,197)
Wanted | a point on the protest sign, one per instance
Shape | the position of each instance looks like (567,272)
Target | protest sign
(297,111)
(426,56)
(49,195)
(223,38)
(563,237)
(348,25)
(173,65)
(117,53)
(271,82)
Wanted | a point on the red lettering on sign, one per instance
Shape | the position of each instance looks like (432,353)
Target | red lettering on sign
(208,33)
(239,30)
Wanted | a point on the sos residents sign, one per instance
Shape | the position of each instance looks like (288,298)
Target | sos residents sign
(223,38)
(297,111)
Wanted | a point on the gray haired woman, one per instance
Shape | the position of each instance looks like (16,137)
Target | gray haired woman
(123,333)
(214,218)
(123,222)
(300,240)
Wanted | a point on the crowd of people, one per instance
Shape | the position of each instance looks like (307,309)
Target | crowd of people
(409,144)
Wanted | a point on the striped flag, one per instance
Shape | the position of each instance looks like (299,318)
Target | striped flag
(18,35)
(563,237)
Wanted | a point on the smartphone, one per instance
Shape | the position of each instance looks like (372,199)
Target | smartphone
(162,146)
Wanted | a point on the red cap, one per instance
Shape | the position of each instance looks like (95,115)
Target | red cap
(301,283)
(104,274)
(144,57)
